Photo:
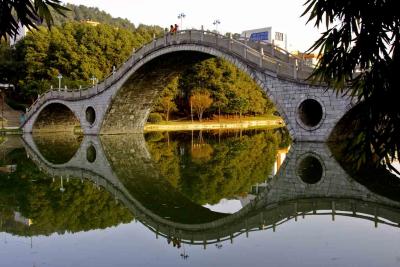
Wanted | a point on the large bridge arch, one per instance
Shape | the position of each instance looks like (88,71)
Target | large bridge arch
(280,75)
(143,77)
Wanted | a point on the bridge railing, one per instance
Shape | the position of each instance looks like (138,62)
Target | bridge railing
(264,56)
(267,56)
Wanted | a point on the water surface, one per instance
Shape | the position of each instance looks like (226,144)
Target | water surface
(191,199)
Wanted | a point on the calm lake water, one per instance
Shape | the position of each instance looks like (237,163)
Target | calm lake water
(191,199)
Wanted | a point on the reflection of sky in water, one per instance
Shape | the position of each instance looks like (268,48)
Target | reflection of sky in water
(313,241)
(226,206)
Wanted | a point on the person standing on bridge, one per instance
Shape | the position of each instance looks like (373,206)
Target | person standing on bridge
(171,29)
(176,28)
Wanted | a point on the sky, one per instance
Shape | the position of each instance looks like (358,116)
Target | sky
(235,16)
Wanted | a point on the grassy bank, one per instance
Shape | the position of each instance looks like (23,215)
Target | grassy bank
(223,123)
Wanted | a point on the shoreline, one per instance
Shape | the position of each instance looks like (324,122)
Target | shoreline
(188,125)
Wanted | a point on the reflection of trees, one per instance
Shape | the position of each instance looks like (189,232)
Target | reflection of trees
(81,207)
(235,165)
(130,161)
(200,150)
(58,149)
(165,155)
(201,153)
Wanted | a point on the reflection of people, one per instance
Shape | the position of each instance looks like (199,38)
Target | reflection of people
(184,256)
(175,242)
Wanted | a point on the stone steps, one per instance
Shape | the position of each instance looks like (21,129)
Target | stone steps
(11,116)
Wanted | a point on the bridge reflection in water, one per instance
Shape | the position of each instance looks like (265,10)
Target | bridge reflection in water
(310,182)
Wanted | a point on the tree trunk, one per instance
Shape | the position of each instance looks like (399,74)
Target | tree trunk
(167,115)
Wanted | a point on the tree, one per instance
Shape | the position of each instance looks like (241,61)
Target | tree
(168,105)
(165,102)
(8,67)
(240,103)
(200,101)
(360,58)
(14,14)
(77,50)
(225,82)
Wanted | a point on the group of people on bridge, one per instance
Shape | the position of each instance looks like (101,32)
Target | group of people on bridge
(173,28)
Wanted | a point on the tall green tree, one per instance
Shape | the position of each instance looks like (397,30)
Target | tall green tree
(168,106)
(165,102)
(228,86)
(360,58)
(9,67)
(200,101)
(77,50)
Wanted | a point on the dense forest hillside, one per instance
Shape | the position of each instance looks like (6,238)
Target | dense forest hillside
(84,13)
(77,49)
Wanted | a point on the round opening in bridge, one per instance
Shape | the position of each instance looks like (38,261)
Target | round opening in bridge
(91,154)
(310,170)
(90,115)
(310,112)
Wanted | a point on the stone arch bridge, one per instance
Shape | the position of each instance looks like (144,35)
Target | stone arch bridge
(286,196)
(121,103)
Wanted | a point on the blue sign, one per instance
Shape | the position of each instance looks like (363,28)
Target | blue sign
(259,36)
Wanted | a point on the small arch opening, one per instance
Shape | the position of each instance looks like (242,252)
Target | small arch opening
(310,170)
(90,115)
(310,112)
(56,117)
(91,154)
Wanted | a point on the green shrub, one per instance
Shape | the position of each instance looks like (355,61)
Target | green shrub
(154,118)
